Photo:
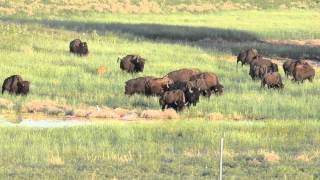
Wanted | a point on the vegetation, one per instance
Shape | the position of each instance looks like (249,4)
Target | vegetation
(163,150)
(34,40)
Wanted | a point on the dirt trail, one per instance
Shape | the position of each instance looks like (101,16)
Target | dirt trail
(310,42)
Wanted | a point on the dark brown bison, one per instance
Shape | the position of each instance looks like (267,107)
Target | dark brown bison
(211,82)
(191,92)
(137,85)
(246,57)
(173,99)
(272,80)
(302,71)
(288,67)
(23,87)
(259,67)
(156,86)
(15,85)
(183,74)
(78,47)
(132,63)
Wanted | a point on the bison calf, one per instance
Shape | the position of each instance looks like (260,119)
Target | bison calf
(272,80)
(173,99)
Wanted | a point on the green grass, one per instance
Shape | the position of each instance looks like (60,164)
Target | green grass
(38,50)
(162,150)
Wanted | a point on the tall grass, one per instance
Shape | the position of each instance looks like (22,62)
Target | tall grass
(162,150)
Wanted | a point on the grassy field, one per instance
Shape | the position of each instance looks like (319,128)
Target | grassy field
(34,40)
(163,150)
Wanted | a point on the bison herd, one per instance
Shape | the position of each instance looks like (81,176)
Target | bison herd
(267,71)
(178,88)
(184,87)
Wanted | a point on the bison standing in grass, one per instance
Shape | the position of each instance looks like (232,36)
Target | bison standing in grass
(302,71)
(272,80)
(78,47)
(173,99)
(259,67)
(288,67)
(246,57)
(132,63)
(183,74)
(156,86)
(211,83)
(15,85)
(137,85)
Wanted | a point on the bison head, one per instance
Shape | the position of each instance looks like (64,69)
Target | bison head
(83,48)
(23,87)
(139,64)
(218,89)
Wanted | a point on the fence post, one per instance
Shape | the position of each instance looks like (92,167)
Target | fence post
(221,158)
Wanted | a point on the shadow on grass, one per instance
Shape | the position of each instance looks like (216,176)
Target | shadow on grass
(226,40)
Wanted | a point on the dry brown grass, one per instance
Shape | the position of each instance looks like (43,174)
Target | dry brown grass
(55,161)
(158,114)
(271,157)
(47,106)
(6,104)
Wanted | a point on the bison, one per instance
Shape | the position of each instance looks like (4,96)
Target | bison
(137,85)
(246,57)
(183,74)
(288,67)
(173,99)
(78,47)
(23,87)
(210,83)
(191,92)
(132,63)
(15,85)
(156,86)
(302,71)
(272,80)
(259,67)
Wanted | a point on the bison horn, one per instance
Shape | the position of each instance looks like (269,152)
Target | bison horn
(190,91)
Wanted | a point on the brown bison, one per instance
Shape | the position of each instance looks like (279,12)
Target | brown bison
(156,86)
(78,47)
(302,71)
(259,67)
(173,99)
(246,57)
(137,85)
(211,83)
(272,80)
(132,63)
(15,85)
(183,74)
(288,67)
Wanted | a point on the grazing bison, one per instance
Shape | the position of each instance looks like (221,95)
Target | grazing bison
(156,86)
(302,71)
(183,74)
(246,57)
(211,82)
(288,67)
(190,91)
(272,80)
(137,85)
(132,63)
(78,47)
(15,85)
(173,99)
(259,67)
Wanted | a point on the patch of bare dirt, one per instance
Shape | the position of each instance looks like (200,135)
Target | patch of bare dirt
(47,106)
(309,42)
(158,114)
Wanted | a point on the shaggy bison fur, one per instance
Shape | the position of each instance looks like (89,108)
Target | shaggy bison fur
(209,82)
(246,57)
(183,74)
(191,92)
(272,80)
(173,99)
(78,47)
(156,86)
(132,63)
(137,85)
(302,71)
(15,85)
